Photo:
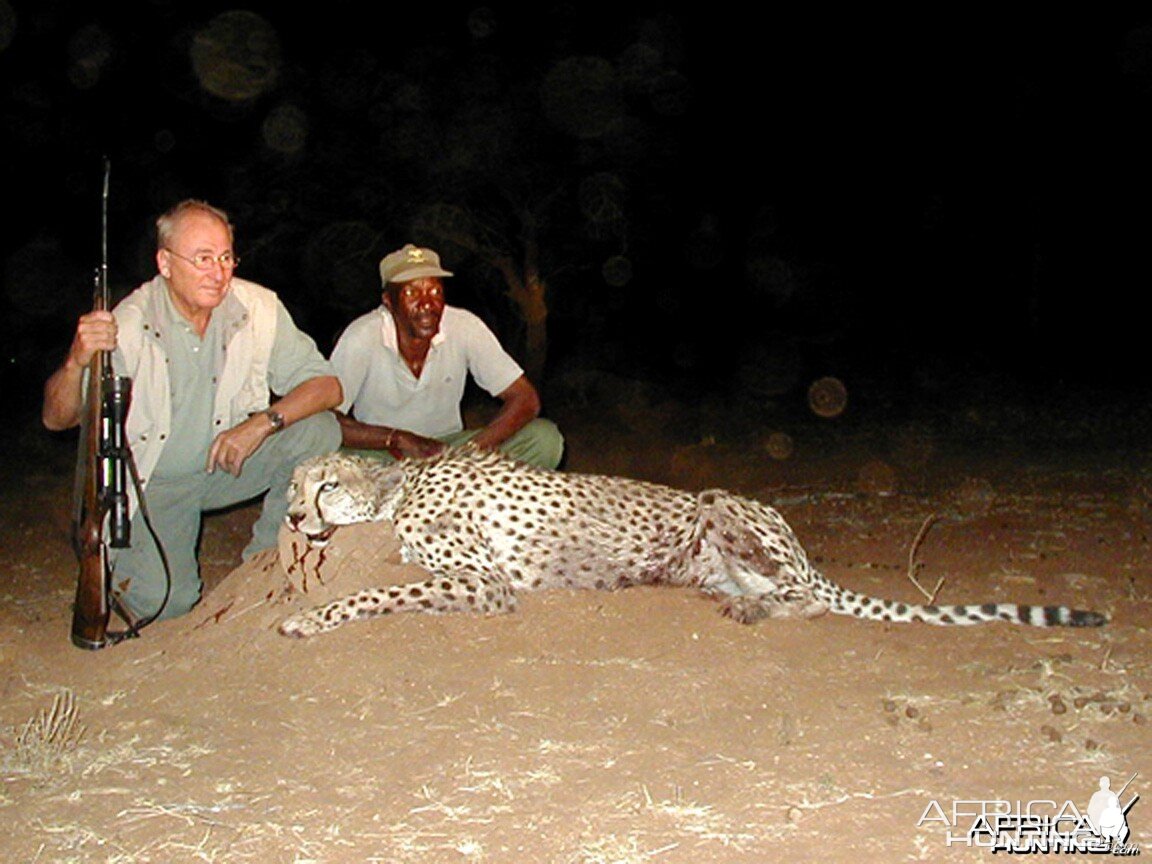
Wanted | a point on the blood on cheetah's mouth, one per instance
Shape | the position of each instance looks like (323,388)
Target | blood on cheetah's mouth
(321,539)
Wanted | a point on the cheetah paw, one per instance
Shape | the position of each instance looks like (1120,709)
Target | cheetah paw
(299,627)
(745,610)
(784,604)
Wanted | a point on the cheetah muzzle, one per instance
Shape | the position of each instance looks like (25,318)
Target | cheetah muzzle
(486,528)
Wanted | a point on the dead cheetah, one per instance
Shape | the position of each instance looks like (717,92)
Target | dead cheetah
(486,527)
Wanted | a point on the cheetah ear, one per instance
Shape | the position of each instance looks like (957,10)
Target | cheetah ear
(386,479)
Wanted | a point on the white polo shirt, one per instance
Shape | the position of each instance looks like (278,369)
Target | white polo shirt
(380,389)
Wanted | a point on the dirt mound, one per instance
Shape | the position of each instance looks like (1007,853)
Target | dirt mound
(268,588)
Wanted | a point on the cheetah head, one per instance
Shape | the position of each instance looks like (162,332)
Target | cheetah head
(340,489)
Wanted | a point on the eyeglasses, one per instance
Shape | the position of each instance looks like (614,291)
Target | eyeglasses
(205,260)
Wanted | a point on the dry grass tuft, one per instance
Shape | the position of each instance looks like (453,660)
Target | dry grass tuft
(48,740)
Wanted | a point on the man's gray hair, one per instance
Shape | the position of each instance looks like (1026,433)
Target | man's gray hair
(166,223)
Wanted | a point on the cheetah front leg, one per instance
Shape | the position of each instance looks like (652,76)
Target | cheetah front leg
(456,592)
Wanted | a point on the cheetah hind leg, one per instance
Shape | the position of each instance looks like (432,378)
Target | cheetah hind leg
(456,592)
(792,601)
(753,571)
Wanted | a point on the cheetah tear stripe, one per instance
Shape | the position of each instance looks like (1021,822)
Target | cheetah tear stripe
(486,528)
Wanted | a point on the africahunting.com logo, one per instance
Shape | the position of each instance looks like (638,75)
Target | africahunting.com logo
(1040,826)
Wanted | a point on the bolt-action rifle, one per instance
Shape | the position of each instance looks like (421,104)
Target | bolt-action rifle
(101,517)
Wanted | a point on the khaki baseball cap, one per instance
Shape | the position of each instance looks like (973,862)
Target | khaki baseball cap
(411,262)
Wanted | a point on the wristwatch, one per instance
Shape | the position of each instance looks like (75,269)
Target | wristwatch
(276,418)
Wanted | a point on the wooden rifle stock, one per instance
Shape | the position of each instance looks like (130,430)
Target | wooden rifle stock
(102,496)
(91,612)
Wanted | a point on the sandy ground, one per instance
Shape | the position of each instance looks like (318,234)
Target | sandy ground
(639,726)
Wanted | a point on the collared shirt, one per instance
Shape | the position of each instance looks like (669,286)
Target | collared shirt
(194,366)
(380,389)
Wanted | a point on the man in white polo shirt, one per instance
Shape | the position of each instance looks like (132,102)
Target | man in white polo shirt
(404,366)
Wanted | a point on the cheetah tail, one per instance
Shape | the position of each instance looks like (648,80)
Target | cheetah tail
(860,606)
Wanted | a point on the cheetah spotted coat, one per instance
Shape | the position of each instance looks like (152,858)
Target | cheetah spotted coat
(487,528)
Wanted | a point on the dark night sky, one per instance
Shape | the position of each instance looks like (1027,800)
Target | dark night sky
(846,193)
